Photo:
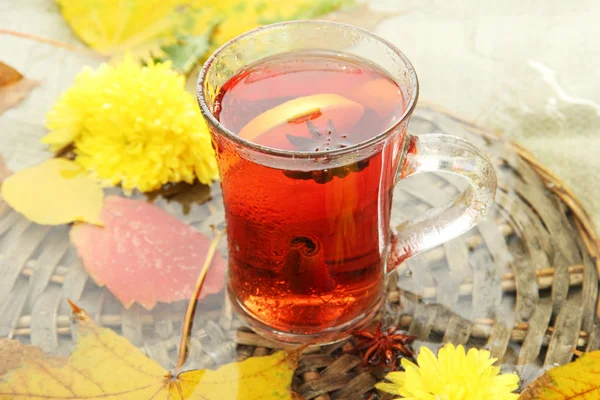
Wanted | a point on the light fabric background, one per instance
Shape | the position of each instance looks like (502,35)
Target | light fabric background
(529,68)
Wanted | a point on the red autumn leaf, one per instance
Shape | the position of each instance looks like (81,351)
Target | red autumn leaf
(145,255)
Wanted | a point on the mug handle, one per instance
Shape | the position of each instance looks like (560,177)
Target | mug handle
(450,154)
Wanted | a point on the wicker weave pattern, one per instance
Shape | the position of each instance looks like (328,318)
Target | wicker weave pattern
(523,284)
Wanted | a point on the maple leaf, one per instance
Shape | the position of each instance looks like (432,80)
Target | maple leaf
(55,192)
(144,255)
(105,365)
(576,380)
(13,87)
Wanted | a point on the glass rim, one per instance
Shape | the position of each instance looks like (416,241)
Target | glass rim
(208,114)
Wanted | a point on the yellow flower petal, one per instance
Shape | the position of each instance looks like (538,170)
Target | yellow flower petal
(54,192)
(453,375)
(397,377)
(510,396)
(134,126)
(407,364)
(387,387)
(59,139)
(427,360)
(510,381)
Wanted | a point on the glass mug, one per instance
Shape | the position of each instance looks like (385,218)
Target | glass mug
(308,231)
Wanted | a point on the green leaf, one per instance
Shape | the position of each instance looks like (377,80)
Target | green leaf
(187,51)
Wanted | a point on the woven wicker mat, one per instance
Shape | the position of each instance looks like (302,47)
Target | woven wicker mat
(523,284)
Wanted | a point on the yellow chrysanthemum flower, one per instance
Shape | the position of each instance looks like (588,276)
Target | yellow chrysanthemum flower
(453,375)
(134,125)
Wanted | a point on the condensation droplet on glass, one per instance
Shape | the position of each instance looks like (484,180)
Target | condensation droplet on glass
(322,160)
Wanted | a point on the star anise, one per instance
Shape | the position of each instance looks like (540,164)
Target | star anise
(330,139)
(323,141)
(383,348)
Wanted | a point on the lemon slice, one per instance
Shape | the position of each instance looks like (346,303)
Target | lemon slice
(289,116)
(381,95)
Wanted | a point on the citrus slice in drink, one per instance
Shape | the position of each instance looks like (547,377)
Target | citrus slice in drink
(272,126)
(382,95)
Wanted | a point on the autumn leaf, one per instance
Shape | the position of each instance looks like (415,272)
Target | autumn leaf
(13,87)
(55,192)
(13,354)
(577,380)
(105,365)
(144,255)
(187,50)
(139,21)
(144,27)
(183,30)
(243,15)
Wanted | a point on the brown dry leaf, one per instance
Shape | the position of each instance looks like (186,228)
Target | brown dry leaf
(14,87)
(577,380)
(13,354)
(106,366)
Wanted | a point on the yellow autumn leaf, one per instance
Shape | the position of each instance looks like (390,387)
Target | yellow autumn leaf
(55,192)
(112,26)
(577,380)
(239,16)
(106,366)
(144,26)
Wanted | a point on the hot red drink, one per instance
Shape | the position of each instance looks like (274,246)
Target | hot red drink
(307,246)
